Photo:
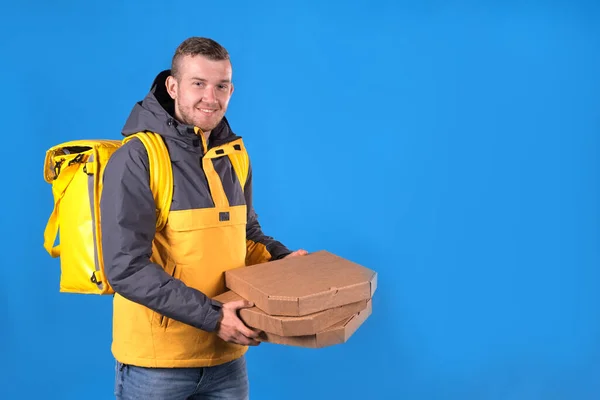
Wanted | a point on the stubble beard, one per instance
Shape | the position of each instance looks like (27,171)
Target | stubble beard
(187,117)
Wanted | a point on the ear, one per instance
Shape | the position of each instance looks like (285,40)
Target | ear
(230,89)
(171,84)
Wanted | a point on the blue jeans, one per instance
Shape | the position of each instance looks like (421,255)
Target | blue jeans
(225,381)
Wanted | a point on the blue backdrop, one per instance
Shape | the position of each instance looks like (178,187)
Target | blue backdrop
(451,147)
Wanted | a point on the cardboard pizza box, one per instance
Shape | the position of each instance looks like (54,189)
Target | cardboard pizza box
(336,334)
(299,286)
(293,326)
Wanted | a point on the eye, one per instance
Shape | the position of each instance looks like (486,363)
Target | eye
(199,84)
(223,86)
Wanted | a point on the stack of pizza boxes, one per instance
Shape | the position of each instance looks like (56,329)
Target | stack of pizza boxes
(316,300)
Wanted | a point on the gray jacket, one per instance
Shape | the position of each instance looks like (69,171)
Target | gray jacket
(127,210)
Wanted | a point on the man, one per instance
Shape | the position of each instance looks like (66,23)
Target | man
(170,339)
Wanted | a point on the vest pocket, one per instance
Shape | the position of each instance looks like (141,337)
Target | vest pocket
(161,320)
(209,238)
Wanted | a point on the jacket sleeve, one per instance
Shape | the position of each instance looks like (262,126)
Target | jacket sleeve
(260,247)
(128,220)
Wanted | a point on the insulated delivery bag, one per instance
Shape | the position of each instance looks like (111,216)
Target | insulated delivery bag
(75,170)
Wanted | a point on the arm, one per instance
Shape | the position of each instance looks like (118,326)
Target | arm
(260,248)
(128,217)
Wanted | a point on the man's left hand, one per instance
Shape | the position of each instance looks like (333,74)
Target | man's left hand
(297,253)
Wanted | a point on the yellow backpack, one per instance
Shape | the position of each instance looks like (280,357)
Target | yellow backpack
(75,170)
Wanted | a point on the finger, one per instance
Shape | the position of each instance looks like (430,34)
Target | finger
(236,305)
(246,341)
(298,253)
(244,330)
(257,333)
(253,342)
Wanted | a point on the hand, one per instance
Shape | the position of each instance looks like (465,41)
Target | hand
(297,253)
(232,329)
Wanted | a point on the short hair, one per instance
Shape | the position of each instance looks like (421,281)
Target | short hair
(198,46)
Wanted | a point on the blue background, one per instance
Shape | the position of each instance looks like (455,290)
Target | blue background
(450,146)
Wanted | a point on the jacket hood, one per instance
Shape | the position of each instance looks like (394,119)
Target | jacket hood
(156,112)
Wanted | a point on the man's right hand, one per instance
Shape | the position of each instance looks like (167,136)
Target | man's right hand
(232,329)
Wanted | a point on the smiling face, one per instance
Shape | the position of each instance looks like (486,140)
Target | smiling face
(201,89)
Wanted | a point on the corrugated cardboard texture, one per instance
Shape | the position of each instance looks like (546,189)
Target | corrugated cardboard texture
(337,334)
(303,285)
(293,326)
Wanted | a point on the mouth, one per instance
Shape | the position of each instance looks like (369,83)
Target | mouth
(208,111)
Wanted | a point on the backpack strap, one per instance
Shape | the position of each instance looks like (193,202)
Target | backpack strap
(59,187)
(161,174)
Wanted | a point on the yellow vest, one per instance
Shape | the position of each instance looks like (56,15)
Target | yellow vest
(197,247)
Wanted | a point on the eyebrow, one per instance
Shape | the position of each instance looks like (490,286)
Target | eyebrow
(204,80)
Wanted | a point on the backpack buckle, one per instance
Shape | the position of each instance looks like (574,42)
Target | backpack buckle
(77,159)
(57,167)
(94,279)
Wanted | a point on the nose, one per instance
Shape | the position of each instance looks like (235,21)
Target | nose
(209,94)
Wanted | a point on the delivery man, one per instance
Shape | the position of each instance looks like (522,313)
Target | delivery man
(170,339)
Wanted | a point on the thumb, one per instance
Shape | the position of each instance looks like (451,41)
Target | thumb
(236,305)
